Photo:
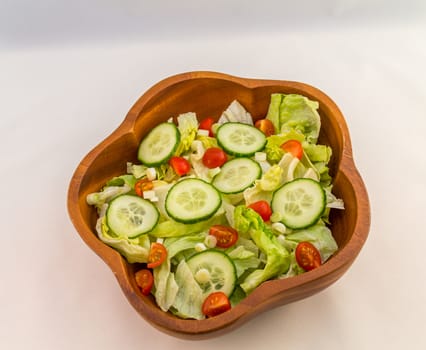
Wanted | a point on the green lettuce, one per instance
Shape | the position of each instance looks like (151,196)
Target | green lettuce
(166,286)
(296,112)
(243,259)
(98,199)
(137,170)
(189,298)
(274,111)
(188,128)
(235,113)
(171,228)
(135,250)
(317,153)
(277,258)
(319,235)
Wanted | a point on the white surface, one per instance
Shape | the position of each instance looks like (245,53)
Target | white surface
(69,72)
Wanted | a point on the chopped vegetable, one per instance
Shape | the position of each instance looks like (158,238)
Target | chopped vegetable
(215,304)
(266,126)
(180,165)
(262,208)
(214,157)
(307,256)
(157,255)
(213,210)
(206,124)
(226,236)
(144,280)
(294,147)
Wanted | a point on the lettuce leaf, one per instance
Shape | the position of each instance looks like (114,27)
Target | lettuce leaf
(189,298)
(135,250)
(299,113)
(98,199)
(171,228)
(236,113)
(277,257)
(319,235)
(166,285)
(188,127)
(274,111)
(272,148)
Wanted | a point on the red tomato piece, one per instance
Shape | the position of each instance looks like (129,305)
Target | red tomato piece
(307,256)
(157,255)
(215,304)
(206,124)
(214,157)
(225,236)
(180,165)
(143,185)
(262,208)
(266,126)
(294,147)
(144,280)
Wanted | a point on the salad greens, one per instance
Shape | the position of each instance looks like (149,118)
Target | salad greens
(262,249)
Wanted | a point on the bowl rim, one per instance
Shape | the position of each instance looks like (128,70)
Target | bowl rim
(270,290)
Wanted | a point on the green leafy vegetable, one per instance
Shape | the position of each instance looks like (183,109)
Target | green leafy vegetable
(134,250)
(188,127)
(295,112)
(277,257)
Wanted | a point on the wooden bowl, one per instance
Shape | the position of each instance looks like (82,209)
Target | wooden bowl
(208,94)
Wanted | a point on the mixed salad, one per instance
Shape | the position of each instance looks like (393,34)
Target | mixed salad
(215,208)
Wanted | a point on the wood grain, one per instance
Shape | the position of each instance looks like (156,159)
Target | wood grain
(208,94)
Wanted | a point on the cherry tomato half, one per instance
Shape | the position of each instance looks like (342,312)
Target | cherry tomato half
(307,256)
(266,126)
(144,280)
(180,165)
(225,236)
(294,147)
(215,304)
(157,255)
(262,208)
(206,124)
(143,185)
(214,157)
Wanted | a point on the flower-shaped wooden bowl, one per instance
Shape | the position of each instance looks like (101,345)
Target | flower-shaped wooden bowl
(208,94)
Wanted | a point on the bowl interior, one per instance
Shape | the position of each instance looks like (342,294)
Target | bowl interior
(209,95)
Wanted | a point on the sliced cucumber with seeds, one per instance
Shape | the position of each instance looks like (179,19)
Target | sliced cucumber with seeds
(214,271)
(241,140)
(299,203)
(192,200)
(236,175)
(159,145)
(131,216)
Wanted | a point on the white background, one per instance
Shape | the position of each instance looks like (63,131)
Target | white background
(69,72)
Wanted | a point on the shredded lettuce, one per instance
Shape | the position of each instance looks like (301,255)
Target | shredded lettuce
(189,298)
(165,282)
(188,127)
(235,113)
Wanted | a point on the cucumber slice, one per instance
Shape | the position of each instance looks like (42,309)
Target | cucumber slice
(131,216)
(192,200)
(299,203)
(159,145)
(214,271)
(236,175)
(241,140)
